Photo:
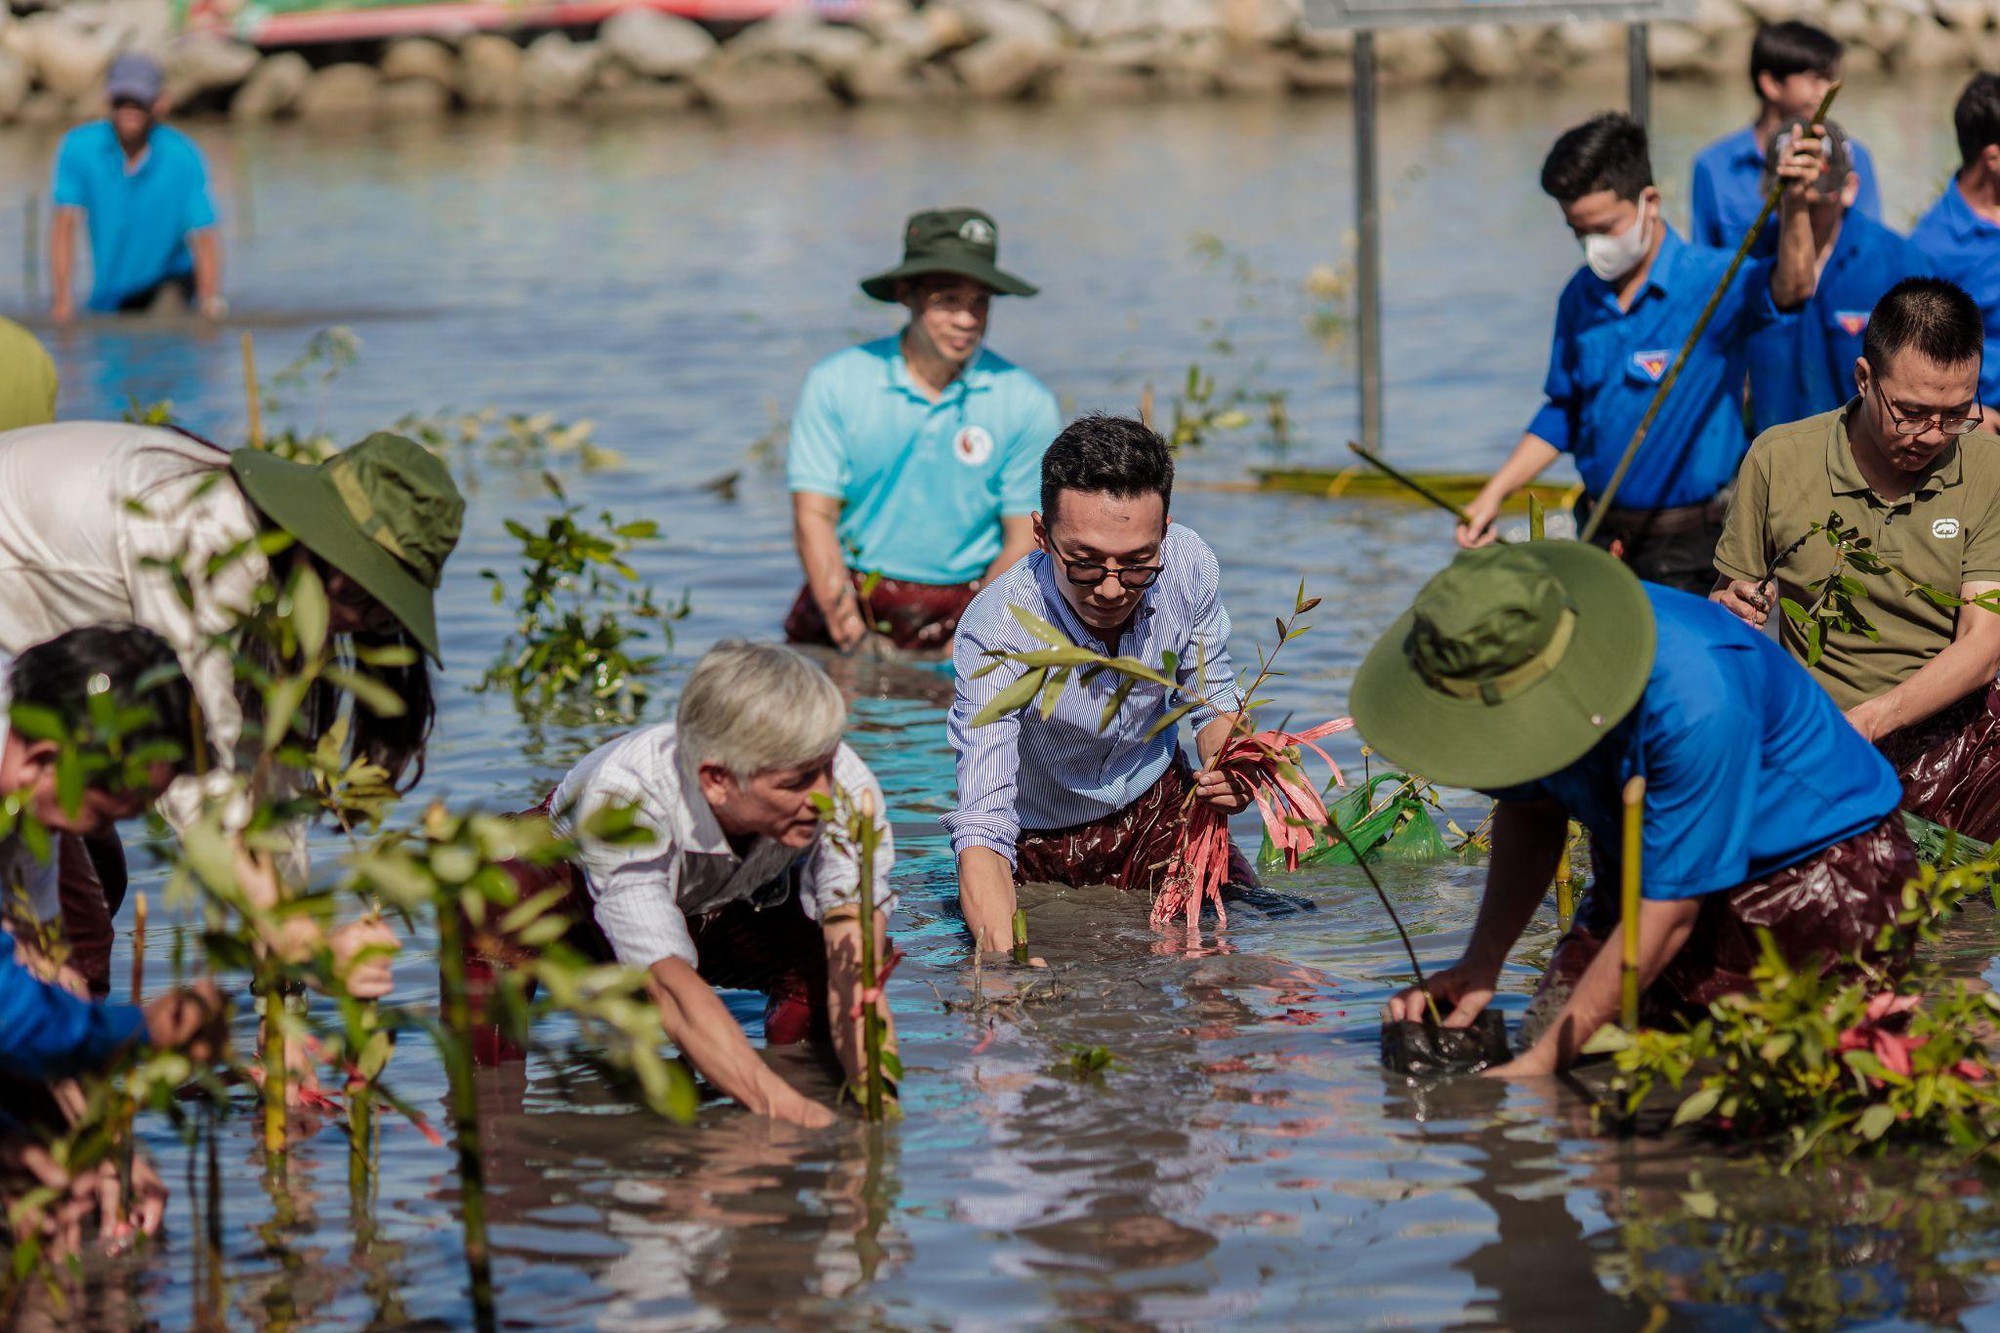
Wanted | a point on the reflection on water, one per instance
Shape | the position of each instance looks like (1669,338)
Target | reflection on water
(1244,1161)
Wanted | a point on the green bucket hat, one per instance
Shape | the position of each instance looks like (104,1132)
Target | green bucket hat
(963,241)
(385,513)
(1511,664)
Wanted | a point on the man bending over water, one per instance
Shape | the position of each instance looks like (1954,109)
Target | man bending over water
(1064,799)
(740,888)
(1548,676)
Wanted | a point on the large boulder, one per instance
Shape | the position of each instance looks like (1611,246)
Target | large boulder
(1678,51)
(414,99)
(421,58)
(1254,73)
(555,71)
(1483,52)
(273,88)
(133,25)
(69,60)
(1318,76)
(343,92)
(640,97)
(489,71)
(14,85)
(660,46)
(737,84)
(1931,46)
(1011,18)
(888,74)
(1255,23)
(1004,68)
(201,62)
(928,33)
(800,34)
(1410,56)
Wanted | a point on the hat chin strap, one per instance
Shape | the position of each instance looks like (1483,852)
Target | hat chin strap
(1497,689)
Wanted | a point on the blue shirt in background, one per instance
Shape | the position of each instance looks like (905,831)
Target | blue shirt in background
(48,1033)
(1805,365)
(1729,190)
(1965,248)
(1749,765)
(1027,772)
(923,485)
(139,220)
(1606,363)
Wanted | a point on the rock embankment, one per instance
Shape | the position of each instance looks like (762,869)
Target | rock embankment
(52,60)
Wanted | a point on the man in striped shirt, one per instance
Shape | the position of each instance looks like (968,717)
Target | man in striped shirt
(1072,798)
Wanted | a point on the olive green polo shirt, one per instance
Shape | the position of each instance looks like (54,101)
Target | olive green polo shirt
(27,379)
(1945,532)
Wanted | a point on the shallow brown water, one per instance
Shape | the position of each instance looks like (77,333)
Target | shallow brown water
(1245,1162)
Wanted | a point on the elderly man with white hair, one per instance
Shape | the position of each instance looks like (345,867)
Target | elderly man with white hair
(740,887)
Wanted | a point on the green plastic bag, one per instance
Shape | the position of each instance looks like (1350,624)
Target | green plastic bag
(1395,826)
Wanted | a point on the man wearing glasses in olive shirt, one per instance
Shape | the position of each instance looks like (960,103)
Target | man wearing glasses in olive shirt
(1906,465)
(1064,799)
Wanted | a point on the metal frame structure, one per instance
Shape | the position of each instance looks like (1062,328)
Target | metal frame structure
(1364,18)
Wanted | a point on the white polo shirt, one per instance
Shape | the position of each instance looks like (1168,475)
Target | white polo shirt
(643,895)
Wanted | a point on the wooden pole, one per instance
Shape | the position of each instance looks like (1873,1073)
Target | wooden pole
(1409,482)
(1601,505)
(250,393)
(138,946)
(1629,874)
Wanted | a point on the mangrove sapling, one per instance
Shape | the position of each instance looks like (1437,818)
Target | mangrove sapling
(854,825)
(577,605)
(1084,1064)
(1835,604)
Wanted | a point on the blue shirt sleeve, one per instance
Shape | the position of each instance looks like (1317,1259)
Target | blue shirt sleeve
(1704,208)
(71,187)
(1207,668)
(817,460)
(1697,842)
(1748,308)
(1869,199)
(1021,476)
(1552,422)
(47,1033)
(989,757)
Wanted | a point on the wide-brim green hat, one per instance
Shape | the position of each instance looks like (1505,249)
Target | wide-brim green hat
(385,513)
(963,242)
(1510,665)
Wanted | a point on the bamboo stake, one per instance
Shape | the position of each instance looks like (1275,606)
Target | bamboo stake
(1409,482)
(1601,505)
(1565,889)
(138,946)
(1629,868)
(1537,520)
(465,1109)
(250,394)
(874,1102)
(1020,935)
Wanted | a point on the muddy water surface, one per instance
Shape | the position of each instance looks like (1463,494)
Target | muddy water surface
(1244,1161)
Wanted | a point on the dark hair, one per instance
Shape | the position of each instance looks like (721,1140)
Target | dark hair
(1606,152)
(1977,117)
(1784,49)
(1931,315)
(1101,454)
(133,666)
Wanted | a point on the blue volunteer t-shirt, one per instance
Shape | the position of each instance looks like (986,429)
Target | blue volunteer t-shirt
(923,485)
(1749,765)
(1805,365)
(1606,363)
(1965,248)
(139,220)
(1729,190)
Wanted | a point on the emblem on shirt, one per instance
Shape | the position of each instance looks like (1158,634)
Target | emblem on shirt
(1944,527)
(1852,322)
(973,445)
(1653,363)
(976,231)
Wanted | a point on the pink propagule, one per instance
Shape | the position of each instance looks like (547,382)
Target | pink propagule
(1269,763)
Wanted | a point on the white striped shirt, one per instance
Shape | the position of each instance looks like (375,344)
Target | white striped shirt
(1022,772)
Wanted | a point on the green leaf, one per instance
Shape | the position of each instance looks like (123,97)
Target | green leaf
(1038,627)
(1012,699)
(1875,1121)
(369,692)
(311,613)
(1172,719)
(1052,693)
(1116,702)
(1698,1106)
(1607,1040)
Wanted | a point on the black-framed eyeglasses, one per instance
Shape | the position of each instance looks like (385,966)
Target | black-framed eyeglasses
(1089,573)
(1918,425)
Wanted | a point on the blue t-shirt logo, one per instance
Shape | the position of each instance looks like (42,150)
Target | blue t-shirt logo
(1654,364)
(1852,322)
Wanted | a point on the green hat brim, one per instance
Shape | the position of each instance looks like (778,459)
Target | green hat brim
(882,286)
(302,499)
(1551,724)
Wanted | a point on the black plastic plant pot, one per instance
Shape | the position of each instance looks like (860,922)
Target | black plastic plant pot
(1425,1050)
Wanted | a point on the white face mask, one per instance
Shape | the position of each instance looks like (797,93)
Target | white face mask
(1612,257)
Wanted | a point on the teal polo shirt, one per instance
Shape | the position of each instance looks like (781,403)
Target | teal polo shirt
(923,485)
(139,220)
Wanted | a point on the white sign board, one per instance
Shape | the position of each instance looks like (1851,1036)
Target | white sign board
(1458,13)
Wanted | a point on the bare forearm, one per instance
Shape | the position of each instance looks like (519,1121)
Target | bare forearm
(1527,842)
(1017,539)
(1796,273)
(696,1021)
(1208,742)
(1963,667)
(207,250)
(843,990)
(825,564)
(1663,930)
(62,251)
(1531,457)
(986,897)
